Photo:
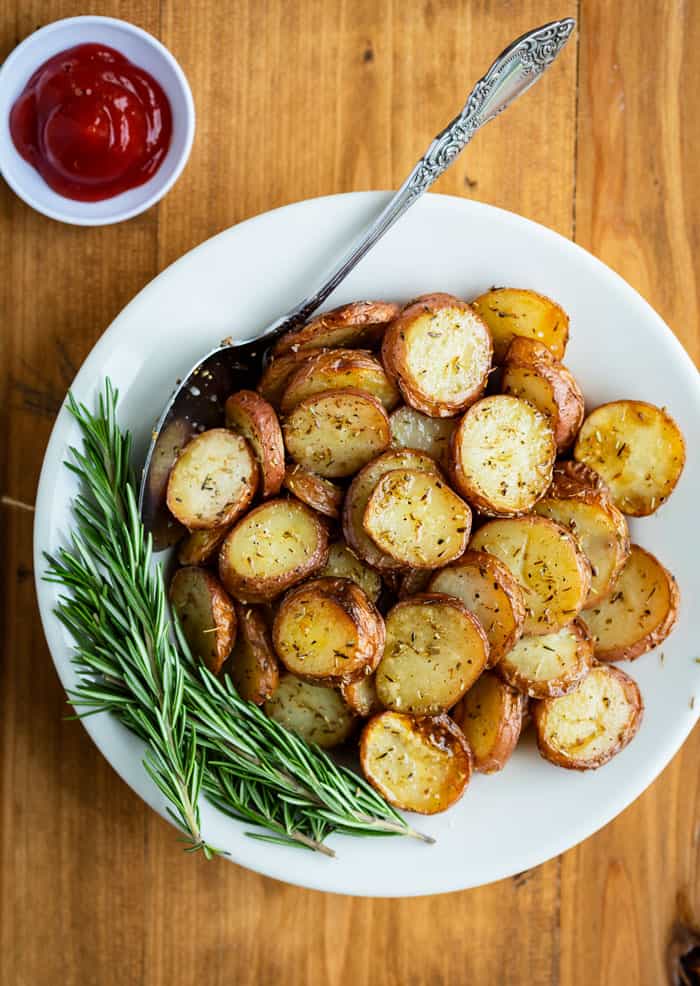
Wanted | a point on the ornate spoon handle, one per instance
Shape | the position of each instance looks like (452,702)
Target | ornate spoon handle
(517,68)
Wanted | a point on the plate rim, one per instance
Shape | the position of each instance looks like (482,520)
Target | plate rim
(278,867)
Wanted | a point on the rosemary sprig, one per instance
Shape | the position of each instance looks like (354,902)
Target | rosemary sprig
(201,735)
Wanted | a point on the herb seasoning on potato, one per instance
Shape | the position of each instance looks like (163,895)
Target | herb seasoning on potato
(351,477)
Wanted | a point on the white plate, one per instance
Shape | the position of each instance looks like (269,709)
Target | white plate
(619,347)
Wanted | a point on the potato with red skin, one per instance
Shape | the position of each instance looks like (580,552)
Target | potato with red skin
(532,373)
(551,664)
(439,352)
(491,717)
(638,449)
(328,631)
(360,323)
(273,547)
(213,480)
(417,763)
(255,419)
(206,615)
(588,727)
(336,432)
(514,312)
(488,589)
(338,369)
(253,668)
(316,492)
(639,613)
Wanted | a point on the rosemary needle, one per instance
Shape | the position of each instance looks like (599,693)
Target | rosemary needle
(201,736)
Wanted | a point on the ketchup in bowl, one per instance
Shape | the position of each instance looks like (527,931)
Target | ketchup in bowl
(92,123)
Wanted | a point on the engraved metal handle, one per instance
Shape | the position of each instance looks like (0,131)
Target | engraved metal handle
(517,68)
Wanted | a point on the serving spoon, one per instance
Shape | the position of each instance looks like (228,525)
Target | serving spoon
(198,401)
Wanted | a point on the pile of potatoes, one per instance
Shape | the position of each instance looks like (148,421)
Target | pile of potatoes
(411,534)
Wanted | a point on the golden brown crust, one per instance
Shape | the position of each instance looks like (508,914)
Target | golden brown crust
(255,419)
(316,492)
(355,324)
(599,721)
(639,613)
(511,312)
(361,696)
(206,615)
(278,373)
(502,455)
(549,665)
(488,589)
(337,432)
(213,480)
(579,500)
(414,517)
(328,631)
(439,352)
(200,547)
(532,373)
(254,669)
(435,650)
(491,716)
(639,451)
(252,565)
(358,494)
(546,561)
(338,369)
(421,764)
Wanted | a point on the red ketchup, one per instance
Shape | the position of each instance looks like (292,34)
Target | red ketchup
(92,123)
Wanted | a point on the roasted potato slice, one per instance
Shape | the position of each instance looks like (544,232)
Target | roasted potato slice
(253,417)
(639,451)
(420,764)
(488,589)
(435,650)
(511,312)
(411,429)
(343,563)
(277,374)
(546,561)
(254,669)
(362,696)
(337,432)
(491,716)
(551,664)
(199,547)
(338,369)
(502,455)
(315,713)
(213,480)
(316,492)
(328,631)
(359,493)
(596,523)
(273,547)
(587,727)
(206,615)
(533,374)
(417,519)
(439,352)
(640,612)
(359,323)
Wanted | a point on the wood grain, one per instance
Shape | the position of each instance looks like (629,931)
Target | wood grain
(93,887)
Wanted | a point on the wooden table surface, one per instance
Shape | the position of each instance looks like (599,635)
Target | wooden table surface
(93,886)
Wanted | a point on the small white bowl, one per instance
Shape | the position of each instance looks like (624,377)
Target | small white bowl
(146,52)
